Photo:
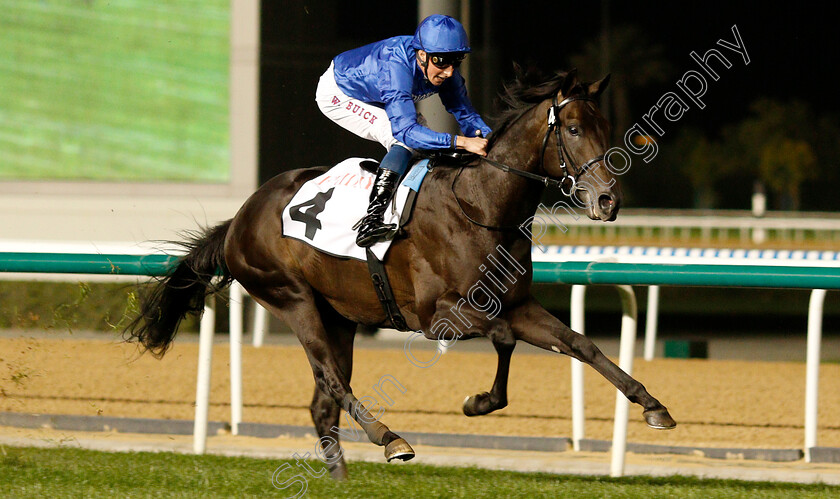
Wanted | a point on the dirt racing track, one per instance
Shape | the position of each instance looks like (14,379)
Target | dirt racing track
(716,403)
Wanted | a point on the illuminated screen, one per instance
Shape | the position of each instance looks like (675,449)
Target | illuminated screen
(114,90)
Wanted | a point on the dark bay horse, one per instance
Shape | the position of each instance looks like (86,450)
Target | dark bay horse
(552,128)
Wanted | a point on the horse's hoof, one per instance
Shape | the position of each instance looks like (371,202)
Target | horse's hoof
(398,449)
(338,471)
(481,404)
(469,406)
(659,419)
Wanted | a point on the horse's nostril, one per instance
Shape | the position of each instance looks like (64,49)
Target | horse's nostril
(605,202)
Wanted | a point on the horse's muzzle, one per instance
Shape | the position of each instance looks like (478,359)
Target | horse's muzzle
(607,206)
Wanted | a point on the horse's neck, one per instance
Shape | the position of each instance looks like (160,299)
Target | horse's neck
(504,198)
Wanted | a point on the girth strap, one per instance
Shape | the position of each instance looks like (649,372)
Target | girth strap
(384,291)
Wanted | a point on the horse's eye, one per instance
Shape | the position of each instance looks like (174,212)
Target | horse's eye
(574,131)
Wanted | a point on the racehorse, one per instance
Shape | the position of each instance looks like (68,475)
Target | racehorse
(552,131)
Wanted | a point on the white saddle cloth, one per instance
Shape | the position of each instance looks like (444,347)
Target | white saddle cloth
(324,210)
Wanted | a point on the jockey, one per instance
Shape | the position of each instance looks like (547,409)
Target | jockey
(371,92)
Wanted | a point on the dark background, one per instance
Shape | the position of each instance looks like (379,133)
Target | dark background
(793,49)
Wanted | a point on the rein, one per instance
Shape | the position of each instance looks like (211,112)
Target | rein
(567,183)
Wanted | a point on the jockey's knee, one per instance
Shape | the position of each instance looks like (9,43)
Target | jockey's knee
(396,159)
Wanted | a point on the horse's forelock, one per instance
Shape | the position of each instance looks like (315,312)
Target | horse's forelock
(579,89)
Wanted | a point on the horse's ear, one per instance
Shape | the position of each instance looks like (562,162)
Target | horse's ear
(597,88)
(569,82)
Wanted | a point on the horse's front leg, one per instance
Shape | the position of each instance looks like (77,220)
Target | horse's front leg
(484,403)
(461,321)
(533,324)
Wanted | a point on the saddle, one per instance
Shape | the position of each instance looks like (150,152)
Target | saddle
(454,158)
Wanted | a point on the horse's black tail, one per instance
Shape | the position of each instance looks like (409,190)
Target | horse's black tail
(182,291)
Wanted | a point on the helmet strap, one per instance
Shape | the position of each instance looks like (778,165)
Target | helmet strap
(425,65)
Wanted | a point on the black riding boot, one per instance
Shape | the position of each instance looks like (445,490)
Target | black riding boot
(372,226)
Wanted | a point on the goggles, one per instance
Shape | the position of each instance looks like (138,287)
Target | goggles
(443,61)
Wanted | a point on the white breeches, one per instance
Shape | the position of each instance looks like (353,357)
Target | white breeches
(363,119)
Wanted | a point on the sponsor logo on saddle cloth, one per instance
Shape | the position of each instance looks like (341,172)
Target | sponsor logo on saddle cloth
(322,213)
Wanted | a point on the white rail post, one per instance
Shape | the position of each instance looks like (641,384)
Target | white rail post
(651,321)
(812,376)
(260,315)
(237,294)
(202,390)
(626,351)
(578,306)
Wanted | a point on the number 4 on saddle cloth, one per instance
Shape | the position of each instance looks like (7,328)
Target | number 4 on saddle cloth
(325,209)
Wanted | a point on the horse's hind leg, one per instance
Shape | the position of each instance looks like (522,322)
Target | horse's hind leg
(297,308)
(533,324)
(325,411)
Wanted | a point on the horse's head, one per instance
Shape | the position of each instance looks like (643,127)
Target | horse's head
(576,139)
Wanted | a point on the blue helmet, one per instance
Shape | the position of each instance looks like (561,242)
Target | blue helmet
(439,34)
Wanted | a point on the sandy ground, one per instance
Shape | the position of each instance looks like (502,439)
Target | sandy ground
(716,403)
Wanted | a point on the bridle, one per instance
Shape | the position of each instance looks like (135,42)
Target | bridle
(554,124)
(568,182)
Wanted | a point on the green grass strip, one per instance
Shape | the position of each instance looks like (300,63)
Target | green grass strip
(68,472)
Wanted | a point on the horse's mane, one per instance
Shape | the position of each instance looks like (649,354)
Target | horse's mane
(528,88)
